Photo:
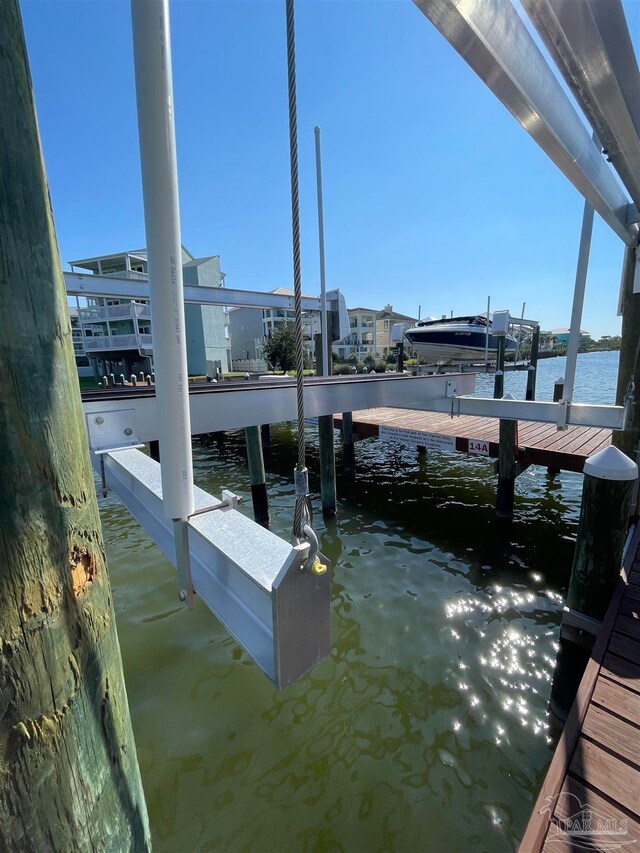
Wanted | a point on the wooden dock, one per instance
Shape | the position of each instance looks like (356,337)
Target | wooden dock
(538,444)
(595,772)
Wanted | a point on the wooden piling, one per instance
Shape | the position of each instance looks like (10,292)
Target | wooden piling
(69,775)
(327,449)
(265,434)
(348,448)
(154,450)
(532,370)
(558,389)
(400,357)
(257,476)
(507,449)
(609,477)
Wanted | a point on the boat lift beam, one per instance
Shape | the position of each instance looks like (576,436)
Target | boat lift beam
(253,581)
(113,287)
(590,43)
(494,41)
(227,406)
(577,414)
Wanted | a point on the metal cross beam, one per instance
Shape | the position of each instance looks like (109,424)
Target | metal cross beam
(237,405)
(590,42)
(125,288)
(492,38)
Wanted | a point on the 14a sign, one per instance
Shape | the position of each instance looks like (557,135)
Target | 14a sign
(480,446)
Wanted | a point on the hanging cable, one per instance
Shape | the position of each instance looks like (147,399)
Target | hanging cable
(302,511)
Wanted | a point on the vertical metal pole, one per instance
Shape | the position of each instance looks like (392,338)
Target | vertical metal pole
(576,312)
(154,92)
(486,338)
(323,283)
(154,95)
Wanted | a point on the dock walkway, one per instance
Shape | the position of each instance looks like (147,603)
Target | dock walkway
(593,782)
(538,443)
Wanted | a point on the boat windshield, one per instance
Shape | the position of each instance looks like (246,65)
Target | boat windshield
(475,320)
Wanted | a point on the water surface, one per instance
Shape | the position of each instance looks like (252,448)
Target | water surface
(426,729)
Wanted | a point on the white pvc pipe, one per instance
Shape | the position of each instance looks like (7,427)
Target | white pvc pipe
(578,301)
(154,92)
(323,284)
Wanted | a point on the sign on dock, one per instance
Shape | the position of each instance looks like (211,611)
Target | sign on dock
(430,440)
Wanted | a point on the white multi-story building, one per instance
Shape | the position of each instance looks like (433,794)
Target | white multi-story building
(250,327)
(361,340)
(116,334)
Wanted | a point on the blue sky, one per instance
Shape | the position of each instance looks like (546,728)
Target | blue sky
(434,195)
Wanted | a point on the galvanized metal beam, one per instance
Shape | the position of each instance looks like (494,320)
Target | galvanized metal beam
(578,414)
(249,578)
(125,288)
(239,405)
(492,38)
(590,42)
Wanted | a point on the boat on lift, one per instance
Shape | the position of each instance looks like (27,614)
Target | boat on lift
(463,340)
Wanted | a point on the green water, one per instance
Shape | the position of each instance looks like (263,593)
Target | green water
(426,729)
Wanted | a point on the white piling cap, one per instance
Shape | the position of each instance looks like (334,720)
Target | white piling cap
(559,381)
(611,464)
(508,397)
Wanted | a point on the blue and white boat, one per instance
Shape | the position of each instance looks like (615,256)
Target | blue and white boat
(458,339)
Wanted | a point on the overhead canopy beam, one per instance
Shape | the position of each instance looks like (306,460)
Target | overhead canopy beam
(590,42)
(125,288)
(492,38)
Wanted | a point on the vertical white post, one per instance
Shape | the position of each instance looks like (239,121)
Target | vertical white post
(576,313)
(323,283)
(154,91)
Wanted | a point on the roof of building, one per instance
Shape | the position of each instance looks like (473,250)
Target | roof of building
(393,315)
(195,262)
(134,253)
(368,310)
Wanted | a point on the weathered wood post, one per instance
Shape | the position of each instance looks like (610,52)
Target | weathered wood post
(148,379)
(265,434)
(133,379)
(326,447)
(627,439)
(69,777)
(498,380)
(558,389)
(507,450)
(348,448)
(257,476)
(112,379)
(532,370)
(609,477)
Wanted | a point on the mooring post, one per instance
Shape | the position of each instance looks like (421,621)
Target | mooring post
(327,449)
(257,476)
(148,379)
(609,477)
(400,357)
(133,379)
(507,450)
(265,433)
(141,375)
(348,449)
(112,379)
(498,381)
(558,389)
(532,370)
(154,450)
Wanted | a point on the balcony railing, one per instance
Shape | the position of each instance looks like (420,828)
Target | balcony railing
(136,276)
(114,312)
(108,342)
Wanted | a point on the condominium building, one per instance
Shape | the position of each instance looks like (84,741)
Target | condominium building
(250,327)
(385,321)
(361,339)
(116,334)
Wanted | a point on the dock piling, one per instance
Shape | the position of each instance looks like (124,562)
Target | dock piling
(348,449)
(326,442)
(532,370)
(558,389)
(154,450)
(265,434)
(498,381)
(507,450)
(609,477)
(257,476)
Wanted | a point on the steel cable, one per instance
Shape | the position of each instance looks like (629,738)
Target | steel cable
(301,512)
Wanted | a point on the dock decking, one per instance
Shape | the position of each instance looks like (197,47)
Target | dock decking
(597,759)
(538,443)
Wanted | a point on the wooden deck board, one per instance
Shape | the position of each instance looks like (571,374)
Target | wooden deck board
(598,756)
(539,443)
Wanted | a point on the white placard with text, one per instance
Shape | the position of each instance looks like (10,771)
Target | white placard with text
(430,440)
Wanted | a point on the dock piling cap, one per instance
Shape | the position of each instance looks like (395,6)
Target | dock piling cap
(611,464)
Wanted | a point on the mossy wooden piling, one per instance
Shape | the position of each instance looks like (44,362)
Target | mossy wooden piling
(69,777)
(348,447)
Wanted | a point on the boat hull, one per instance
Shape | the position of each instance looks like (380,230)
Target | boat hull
(449,346)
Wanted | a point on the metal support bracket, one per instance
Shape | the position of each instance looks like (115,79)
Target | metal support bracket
(112,429)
